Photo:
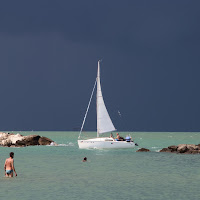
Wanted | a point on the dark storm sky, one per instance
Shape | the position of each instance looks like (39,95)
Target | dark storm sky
(150,70)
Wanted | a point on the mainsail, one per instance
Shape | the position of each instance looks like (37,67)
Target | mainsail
(104,123)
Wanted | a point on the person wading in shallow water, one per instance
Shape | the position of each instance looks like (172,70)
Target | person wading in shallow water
(9,166)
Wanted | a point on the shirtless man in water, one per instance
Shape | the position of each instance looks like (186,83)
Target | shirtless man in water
(9,166)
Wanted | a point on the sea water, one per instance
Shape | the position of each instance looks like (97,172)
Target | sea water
(57,172)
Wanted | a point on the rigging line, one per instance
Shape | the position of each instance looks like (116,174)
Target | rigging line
(87,109)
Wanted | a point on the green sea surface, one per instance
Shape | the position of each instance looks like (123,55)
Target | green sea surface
(57,172)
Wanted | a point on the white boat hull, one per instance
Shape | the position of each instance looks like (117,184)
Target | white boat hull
(104,143)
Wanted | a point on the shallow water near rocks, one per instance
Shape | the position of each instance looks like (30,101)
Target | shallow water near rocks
(57,172)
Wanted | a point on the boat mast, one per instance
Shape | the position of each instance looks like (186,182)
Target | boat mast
(98,87)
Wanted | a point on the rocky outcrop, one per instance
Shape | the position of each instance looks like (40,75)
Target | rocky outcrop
(183,148)
(45,141)
(17,140)
(143,150)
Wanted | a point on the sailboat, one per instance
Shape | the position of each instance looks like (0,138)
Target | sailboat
(104,124)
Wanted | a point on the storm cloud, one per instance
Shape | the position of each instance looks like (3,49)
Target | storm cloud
(150,70)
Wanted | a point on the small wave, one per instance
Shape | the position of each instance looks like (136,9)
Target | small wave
(62,145)
(155,147)
(66,145)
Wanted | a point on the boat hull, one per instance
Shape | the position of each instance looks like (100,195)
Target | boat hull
(104,144)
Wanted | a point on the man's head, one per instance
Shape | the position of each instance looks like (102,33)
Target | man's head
(11,154)
(117,133)
(85,158)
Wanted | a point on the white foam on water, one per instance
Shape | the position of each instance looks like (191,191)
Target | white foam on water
(70,144)
(62,145)
(155,147)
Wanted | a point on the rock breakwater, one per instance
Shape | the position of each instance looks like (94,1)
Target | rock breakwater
(18,140)
(183,149)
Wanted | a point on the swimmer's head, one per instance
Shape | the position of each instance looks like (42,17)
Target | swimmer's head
(11,154)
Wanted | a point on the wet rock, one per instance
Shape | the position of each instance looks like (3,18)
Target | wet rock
(166,150)
(183,149)
(193,147)
(44,141)
(173,148)
(143,150)
(193,152)
(29,140)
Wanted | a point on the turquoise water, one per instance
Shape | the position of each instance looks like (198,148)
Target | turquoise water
(56,172)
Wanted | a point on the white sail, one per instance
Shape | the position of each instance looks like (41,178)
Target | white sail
(104,123)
